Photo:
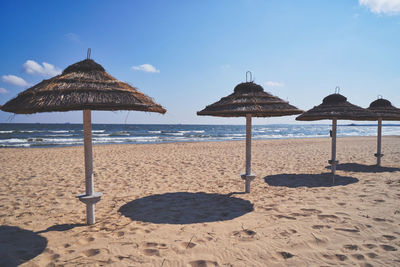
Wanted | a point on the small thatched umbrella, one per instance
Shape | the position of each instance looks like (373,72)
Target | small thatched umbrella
(82,86)
(336,107)
(385,111)
(249,100)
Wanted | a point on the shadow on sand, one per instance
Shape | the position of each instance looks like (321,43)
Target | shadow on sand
(60,227)
(18,245)
(186,208)
(355,167)
(308,180)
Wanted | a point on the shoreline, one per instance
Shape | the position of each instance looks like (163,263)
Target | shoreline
(199,142)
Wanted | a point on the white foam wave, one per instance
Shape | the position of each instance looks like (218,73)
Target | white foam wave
(59,131)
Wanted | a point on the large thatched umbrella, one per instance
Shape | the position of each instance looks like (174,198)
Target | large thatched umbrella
(249,100)
(336,107)
(385,111)
(82,86)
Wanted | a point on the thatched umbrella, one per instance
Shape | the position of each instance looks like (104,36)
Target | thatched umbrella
(385,111)
(336,107)
(82,86)
(249,100)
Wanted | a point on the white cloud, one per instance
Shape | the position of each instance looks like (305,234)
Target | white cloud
(146,68)
(275,84)
(14,80)
(390,7)
(3,91)
(73,37)
(32,67)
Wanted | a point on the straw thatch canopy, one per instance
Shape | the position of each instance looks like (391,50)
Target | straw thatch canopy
(385,110)
(337,106)
(83,85)
(250,98)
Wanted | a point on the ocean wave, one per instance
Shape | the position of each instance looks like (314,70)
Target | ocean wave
(15,145)
(14,140)
(154,132)
(119,133)
(4,132)
(99,134)
(59,131)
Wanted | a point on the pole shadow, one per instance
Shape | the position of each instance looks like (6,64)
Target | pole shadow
(356,167)
(19,245)
(186,208)
(308,180)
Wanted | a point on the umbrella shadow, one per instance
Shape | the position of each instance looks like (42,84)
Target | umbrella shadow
(60,227)
(19,245)
(186,208)
(356,167)
(308,180)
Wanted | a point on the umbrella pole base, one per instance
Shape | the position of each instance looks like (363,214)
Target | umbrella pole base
(378,159)
(90,202)
(333,165)
(248,178)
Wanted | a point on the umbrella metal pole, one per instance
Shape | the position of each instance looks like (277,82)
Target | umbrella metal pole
(333,160)
(248,144)
(90,198)
(87,133)
(248,177)
(378,154)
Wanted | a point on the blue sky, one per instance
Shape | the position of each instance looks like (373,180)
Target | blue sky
(189,54)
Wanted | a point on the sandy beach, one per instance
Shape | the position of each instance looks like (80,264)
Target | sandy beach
(181,204)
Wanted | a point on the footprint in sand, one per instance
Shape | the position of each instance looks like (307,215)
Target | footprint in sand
(389,237)
(388,248)
(370,246)
(91,252)
(382,220)
(186,245)
(348,230)
(286,255)
(203,263)
(285,217)
(351,247)
(341,257)
(296,214)
(151,252)
(372,255)
(155,245)
(359,257)
(311,211)
(245,235)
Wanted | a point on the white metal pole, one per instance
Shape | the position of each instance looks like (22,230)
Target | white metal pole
(378,154)
(333,160)
(248,144)
(87,133)
(248,152)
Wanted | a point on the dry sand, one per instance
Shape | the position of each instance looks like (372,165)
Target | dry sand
(180,204)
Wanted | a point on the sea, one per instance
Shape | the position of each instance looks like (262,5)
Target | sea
(54,135)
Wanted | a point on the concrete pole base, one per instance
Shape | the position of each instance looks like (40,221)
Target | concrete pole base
(378,159)
(248,178)
(90,202)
